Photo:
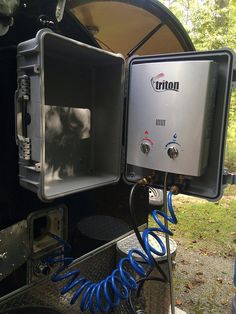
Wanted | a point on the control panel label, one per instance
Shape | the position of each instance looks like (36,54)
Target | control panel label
(161,85)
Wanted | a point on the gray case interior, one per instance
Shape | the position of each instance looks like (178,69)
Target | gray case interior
(67,81)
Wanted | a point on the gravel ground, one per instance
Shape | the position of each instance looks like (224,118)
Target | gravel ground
(203,281)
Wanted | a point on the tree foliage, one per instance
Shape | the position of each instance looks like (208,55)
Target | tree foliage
(211,24)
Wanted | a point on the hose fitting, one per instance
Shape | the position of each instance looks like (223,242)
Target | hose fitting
(174,189)
(145,181)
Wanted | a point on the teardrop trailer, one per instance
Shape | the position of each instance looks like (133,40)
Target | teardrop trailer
(98,109)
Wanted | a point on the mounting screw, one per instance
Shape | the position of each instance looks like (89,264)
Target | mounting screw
(42,269)
(37,167)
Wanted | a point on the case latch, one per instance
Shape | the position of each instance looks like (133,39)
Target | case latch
(22,117)
(24,147)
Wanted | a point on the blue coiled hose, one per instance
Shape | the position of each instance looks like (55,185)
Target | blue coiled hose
(107,294)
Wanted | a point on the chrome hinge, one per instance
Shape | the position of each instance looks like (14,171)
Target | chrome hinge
(228,177)
(60,10)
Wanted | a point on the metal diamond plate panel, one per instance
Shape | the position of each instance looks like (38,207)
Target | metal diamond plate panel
(46,296)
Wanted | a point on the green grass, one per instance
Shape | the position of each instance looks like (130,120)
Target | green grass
(205,226)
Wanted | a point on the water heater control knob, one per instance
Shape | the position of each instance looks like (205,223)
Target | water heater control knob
(173,152)
(145,147)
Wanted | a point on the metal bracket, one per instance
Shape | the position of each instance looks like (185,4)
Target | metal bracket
(40,224)
(60,10)
(228,177)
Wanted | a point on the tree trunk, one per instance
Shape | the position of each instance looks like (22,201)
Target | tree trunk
(222,3)
(223,17)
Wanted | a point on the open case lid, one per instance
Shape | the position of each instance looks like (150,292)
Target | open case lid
(69,110)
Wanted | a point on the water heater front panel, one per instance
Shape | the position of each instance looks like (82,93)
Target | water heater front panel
(170,114)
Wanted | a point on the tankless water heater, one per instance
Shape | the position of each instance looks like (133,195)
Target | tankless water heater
(170,115)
